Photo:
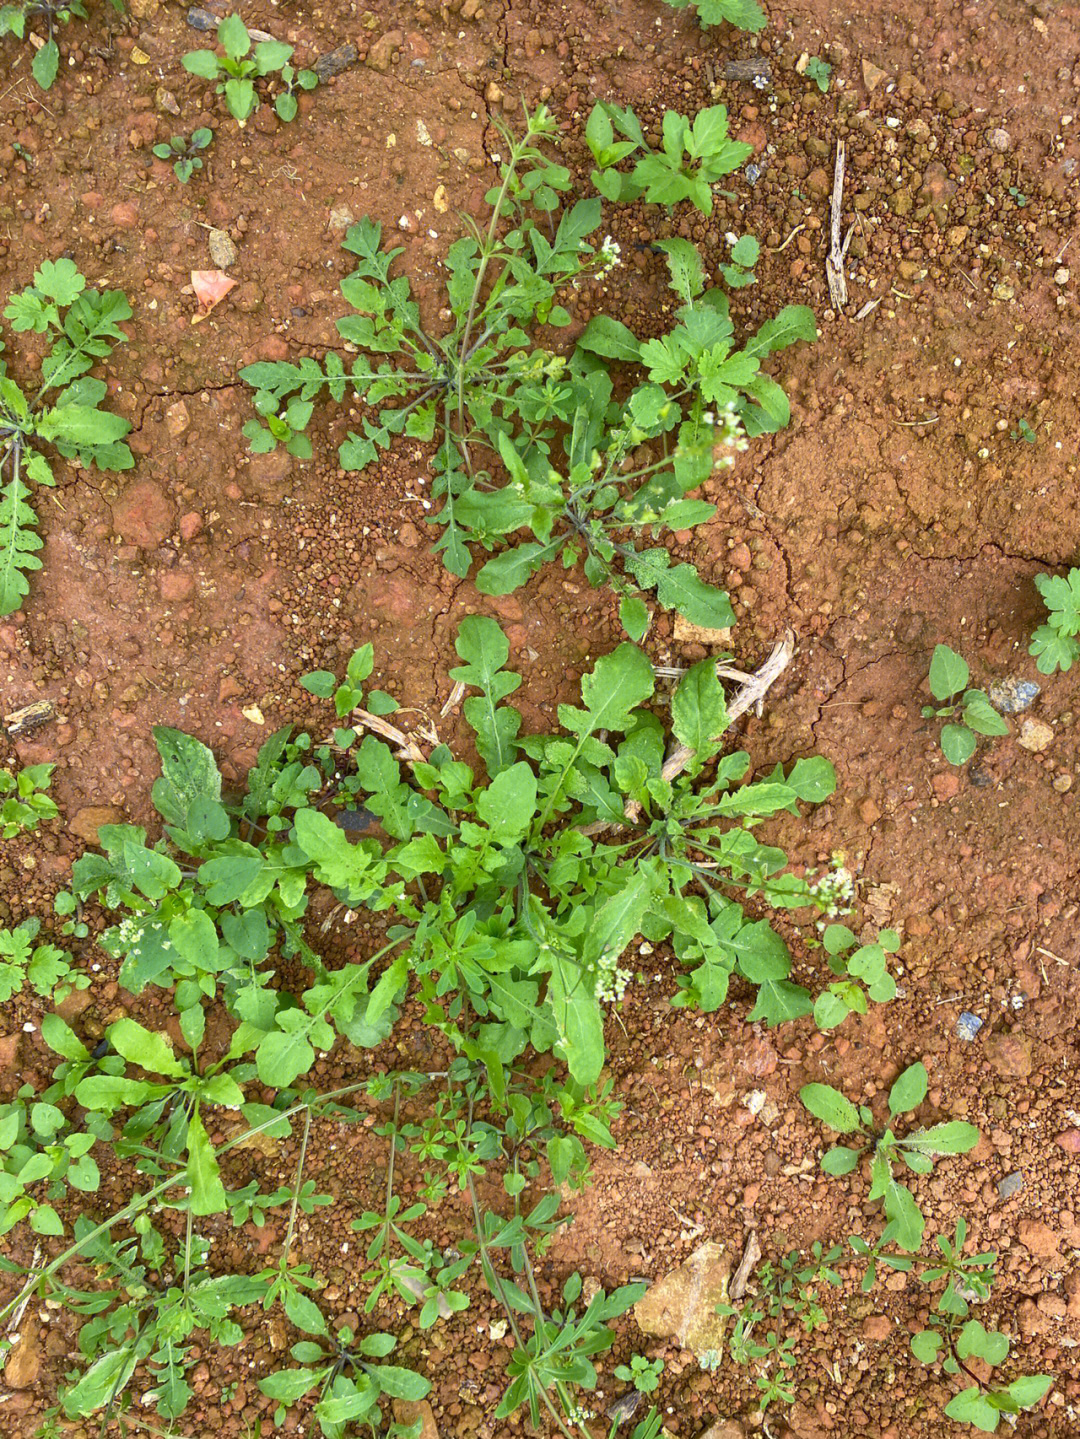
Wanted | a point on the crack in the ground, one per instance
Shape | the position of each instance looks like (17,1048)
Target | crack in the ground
(846,676)
(152,396)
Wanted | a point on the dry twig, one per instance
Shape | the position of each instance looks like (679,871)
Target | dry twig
(751,1255)
(834,263)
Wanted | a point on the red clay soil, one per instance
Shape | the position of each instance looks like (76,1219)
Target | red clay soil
(902,507)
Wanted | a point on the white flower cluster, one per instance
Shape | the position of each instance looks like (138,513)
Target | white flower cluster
(729,432)
(611,981)
(611,253)
(129,931)
(835,891)
(576,1414)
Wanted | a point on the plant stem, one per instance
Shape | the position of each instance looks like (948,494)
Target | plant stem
(142,1201)
(496,1285)
(296,1191)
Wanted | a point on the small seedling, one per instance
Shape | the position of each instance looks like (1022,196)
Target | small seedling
(969,713)
(1022,431)
(740,270)
(285,103)
(864,972)
(82,326)
(643,1374)
(787,1288)
(694,155)
(954,1337)
(819,71)
(342,1370)
(25,803)
(950,1342)
(917,1149)
(14,19)
(1018,195)
(236,72)
(743,14)
(184,152)
(1054,644)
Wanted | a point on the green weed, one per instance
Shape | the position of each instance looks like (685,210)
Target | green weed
(969,713)
(15,18)
(185,152)
(44,967)
(242,64)
(495,399)
(743,14)
(25,803)
(819,71)
(694,154)
(643,1374)
(784,1290)
(953,1337)
(64,413)
(1054,644)
(916,1149)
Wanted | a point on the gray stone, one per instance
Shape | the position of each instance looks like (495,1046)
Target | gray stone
(1010,1185)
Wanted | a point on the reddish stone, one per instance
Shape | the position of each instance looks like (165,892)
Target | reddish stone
(124,215)
(191,525)
(176,585)
(946,784)
(143,515)
(1069,1141)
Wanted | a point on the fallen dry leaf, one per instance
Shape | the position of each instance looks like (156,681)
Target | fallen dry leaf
(211,287)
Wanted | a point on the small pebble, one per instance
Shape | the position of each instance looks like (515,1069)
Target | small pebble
(1035,736)
(1010,1185)
(334,61)
(968,1025)
(200,19)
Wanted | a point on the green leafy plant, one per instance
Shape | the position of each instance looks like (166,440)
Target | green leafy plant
(1022,431)
(489,396)
(14,19)
(25,803)
(236,72)
(694,154)
(643,1374)
(185,152)
(64,413)
(950,1342)
(819,71)
(952,1336)
(783,1290)
(42,1157)
(43,966)
(1054,644)
(917,1149)
(969,713)
(348,1381)
(743,14)
(506,896)
(864,975)
(286,104)
(133,1320)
